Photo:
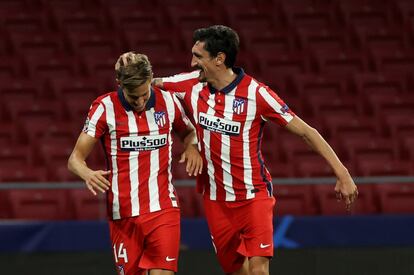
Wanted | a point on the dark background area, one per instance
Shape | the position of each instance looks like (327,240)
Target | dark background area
(355,261)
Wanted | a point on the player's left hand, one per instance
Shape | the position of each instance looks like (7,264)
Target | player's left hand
(194,161)
(346,190)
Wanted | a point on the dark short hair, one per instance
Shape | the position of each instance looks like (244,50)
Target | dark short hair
(217,39)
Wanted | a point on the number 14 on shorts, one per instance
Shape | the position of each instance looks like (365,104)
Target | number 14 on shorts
(120,253)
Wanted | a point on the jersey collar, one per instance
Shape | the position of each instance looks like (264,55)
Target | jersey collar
(150,103)
(240,74)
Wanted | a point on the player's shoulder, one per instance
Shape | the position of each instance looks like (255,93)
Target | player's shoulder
(103,97)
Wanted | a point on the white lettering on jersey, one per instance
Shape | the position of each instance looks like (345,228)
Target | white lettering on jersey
(219,125)
(143,143)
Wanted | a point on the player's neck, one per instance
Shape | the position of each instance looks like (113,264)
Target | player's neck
(223,79)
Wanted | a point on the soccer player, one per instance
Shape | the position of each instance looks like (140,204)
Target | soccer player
(229,109)
(134,125)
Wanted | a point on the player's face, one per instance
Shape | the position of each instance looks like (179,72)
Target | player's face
(202,61)
(139,97)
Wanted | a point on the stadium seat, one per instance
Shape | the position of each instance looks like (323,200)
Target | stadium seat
(15,155)
(340,63)
(96,43)
(289,64)
(368,12)
(5,212)
(39,204)
(154,43)
(322,39)
(44,43)
(87,206)
(267,40)
(328,204)
(334,126)
(312,165)
(308,14)
(395,198)
(248,16)
(49,67)
(318,102)
(396,61)
(101,68)
(23,20)
(13,171)
(74,18)
(374,38)
(294,199)
(10,67)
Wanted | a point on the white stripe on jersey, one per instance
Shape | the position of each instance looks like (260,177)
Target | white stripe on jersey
(225,149)
(155,165)
(250,115)
(195,93)
(207,148)
(94,120)
(274,104)
(181,77)
(110,120)
(171,114)
(133,166)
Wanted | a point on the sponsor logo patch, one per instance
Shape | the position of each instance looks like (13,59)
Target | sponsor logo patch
(143,143)
(284,109)
(219,125)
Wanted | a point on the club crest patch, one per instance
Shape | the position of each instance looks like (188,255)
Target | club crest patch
(160,118)
(239,105)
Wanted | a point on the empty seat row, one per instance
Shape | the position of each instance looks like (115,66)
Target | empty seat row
(299,200)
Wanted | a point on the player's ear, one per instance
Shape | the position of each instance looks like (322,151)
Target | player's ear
(220,58)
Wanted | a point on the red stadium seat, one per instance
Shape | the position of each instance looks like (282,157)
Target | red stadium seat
(101,68)
(63,88)
(340,63)
(140,17)
(319,102)
(86,205)
(396,198)
(8,133)
(248,16)
(39,204)
(18,155)
(43,43)
(308,14)
(23,20)
(369,13)
(49,67)
(322,39)
(383,38)
(312,166)
(268,40)
(335,125)
(292,63)
(21,172)
(154,43)
(328,204)
(97,43)
(295,200)
(396,61)
(74,18)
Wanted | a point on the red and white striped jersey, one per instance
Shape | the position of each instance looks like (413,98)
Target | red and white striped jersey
(229,126)
(138,150)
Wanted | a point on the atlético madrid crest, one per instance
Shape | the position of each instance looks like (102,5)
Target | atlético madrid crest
(160,118)
(239,105)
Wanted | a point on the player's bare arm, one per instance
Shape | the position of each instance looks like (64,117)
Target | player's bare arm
(95,180)
(345,187)
(191,154)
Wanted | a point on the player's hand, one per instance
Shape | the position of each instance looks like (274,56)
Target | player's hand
(97,181)
(346,190)
(194,161)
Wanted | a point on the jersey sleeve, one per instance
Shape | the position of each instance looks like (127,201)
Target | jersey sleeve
(181,121)
(95,124)
(180,84)
(272,107)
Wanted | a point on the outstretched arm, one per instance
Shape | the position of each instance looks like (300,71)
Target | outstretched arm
(345,187)
(95,180)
